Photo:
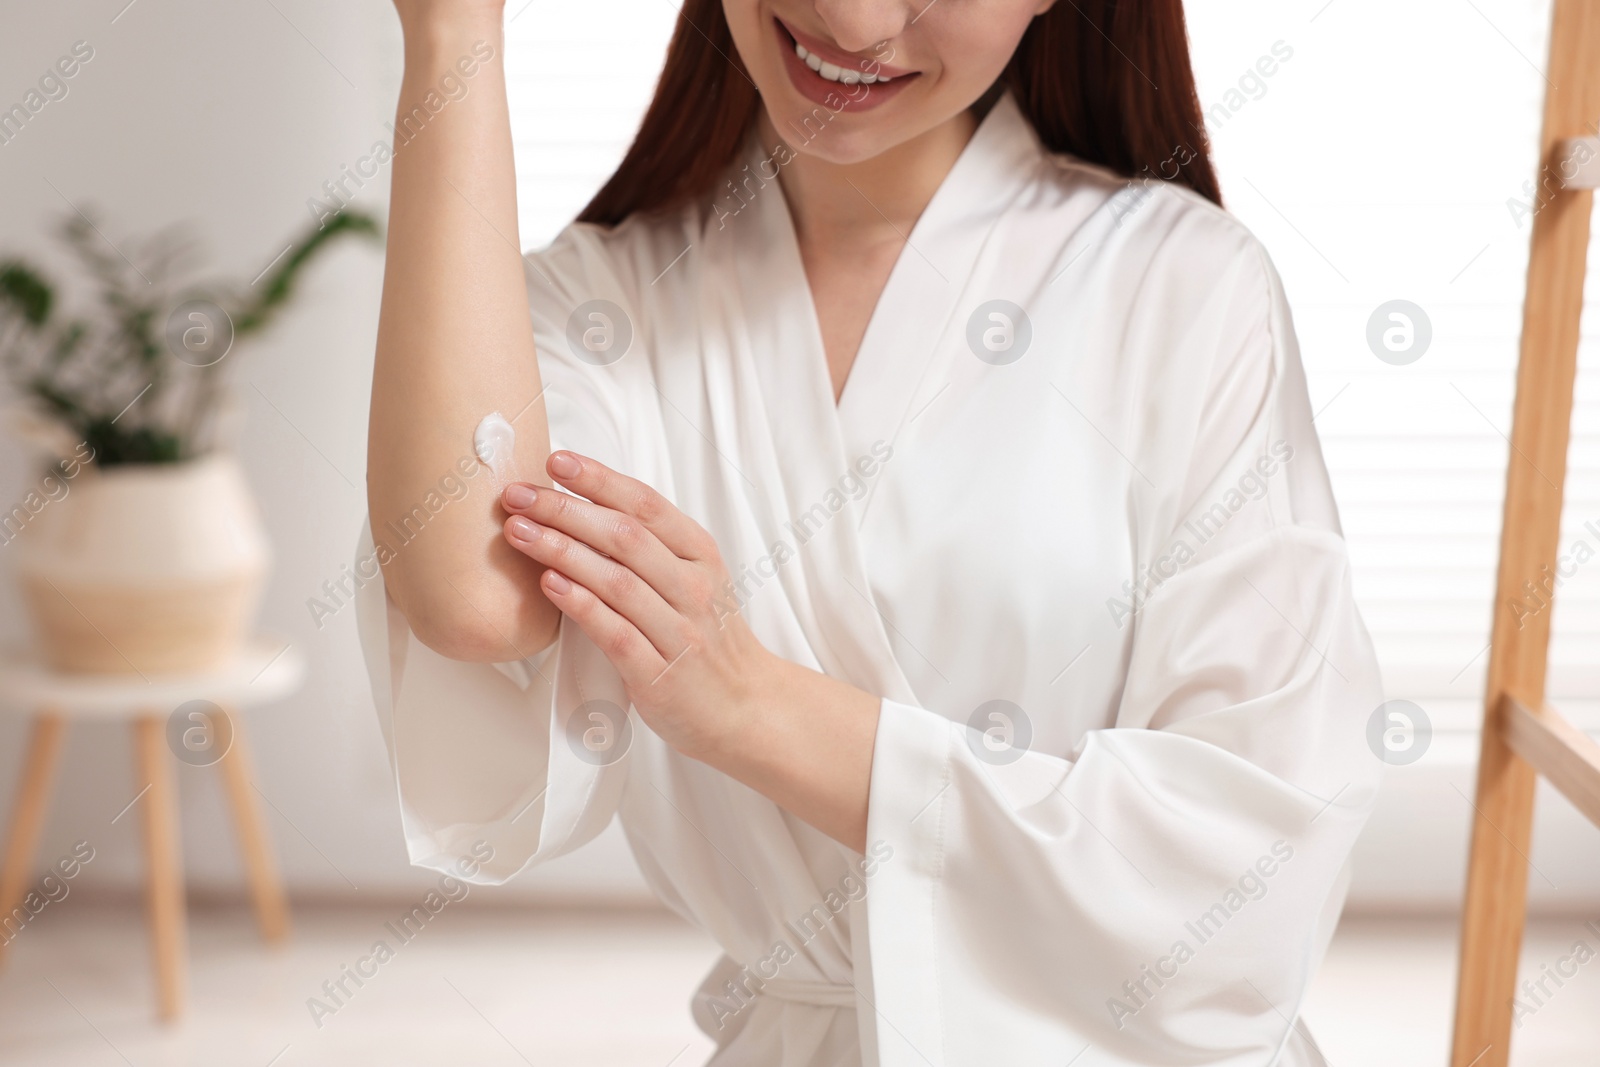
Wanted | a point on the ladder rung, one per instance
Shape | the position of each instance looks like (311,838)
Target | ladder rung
(1577,162)
(1555,748)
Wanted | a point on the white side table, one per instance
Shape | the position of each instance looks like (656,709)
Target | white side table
(265,670)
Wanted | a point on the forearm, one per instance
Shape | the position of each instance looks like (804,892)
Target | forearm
(807,746)
(455,343)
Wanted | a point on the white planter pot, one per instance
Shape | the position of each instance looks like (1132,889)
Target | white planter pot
(146,569)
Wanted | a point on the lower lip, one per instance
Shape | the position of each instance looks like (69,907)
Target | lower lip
(814,87)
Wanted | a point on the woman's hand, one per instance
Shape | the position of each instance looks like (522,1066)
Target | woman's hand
(647,585)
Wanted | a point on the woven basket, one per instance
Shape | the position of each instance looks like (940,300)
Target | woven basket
(144,569)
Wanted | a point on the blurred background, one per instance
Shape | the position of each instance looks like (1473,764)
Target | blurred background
(1387,156)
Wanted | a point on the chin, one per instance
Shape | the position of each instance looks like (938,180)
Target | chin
(810,130)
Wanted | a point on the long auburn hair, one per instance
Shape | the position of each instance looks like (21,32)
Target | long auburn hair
(1107,81)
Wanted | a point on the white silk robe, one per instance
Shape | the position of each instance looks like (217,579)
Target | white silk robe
(1126,537)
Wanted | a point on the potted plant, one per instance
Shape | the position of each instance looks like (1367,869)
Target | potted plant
(139,548)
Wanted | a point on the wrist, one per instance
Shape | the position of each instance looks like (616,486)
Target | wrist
(805,741)
(435,39)
(752,725)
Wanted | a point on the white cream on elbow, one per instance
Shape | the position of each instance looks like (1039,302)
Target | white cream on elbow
(494,443)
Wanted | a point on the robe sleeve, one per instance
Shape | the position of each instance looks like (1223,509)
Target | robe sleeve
(1164,891)
(502,765)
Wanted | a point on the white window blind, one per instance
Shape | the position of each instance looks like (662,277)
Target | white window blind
(1386,160)
(1376,149)
(579,77)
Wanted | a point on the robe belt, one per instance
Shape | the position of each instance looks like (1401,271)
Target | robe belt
(817,994)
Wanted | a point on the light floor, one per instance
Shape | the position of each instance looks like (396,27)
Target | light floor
(490,987)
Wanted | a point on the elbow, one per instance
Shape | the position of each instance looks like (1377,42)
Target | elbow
(459,636)
(461,625)
(476,602)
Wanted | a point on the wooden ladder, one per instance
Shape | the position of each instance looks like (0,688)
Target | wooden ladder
(1523,737)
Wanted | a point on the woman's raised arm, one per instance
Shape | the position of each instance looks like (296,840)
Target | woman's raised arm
(455,344)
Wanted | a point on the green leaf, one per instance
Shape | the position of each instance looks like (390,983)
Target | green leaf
(26,291)
(255,316)
(114,446)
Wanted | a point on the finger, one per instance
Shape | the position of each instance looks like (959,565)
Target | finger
(623,591)
(593,479)
(615,533)
(634,657)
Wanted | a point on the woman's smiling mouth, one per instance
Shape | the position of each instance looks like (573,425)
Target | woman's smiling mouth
(834,73)
(823,73)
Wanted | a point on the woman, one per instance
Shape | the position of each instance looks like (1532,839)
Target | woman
(943,504)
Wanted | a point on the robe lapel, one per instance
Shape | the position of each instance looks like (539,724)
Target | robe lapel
(808,446)
(905,357)
(789,438)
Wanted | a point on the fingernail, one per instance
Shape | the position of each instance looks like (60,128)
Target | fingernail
(519,495)
(523,530)
(563,465)
(557,582)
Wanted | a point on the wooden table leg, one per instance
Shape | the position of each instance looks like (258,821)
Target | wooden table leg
(266,888)
(27,818)
(165,875)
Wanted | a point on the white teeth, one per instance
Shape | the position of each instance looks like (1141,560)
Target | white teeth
(835,73)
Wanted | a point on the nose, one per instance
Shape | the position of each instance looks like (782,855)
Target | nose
(858,25)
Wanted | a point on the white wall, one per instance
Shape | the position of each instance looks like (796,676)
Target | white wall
(233,115)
